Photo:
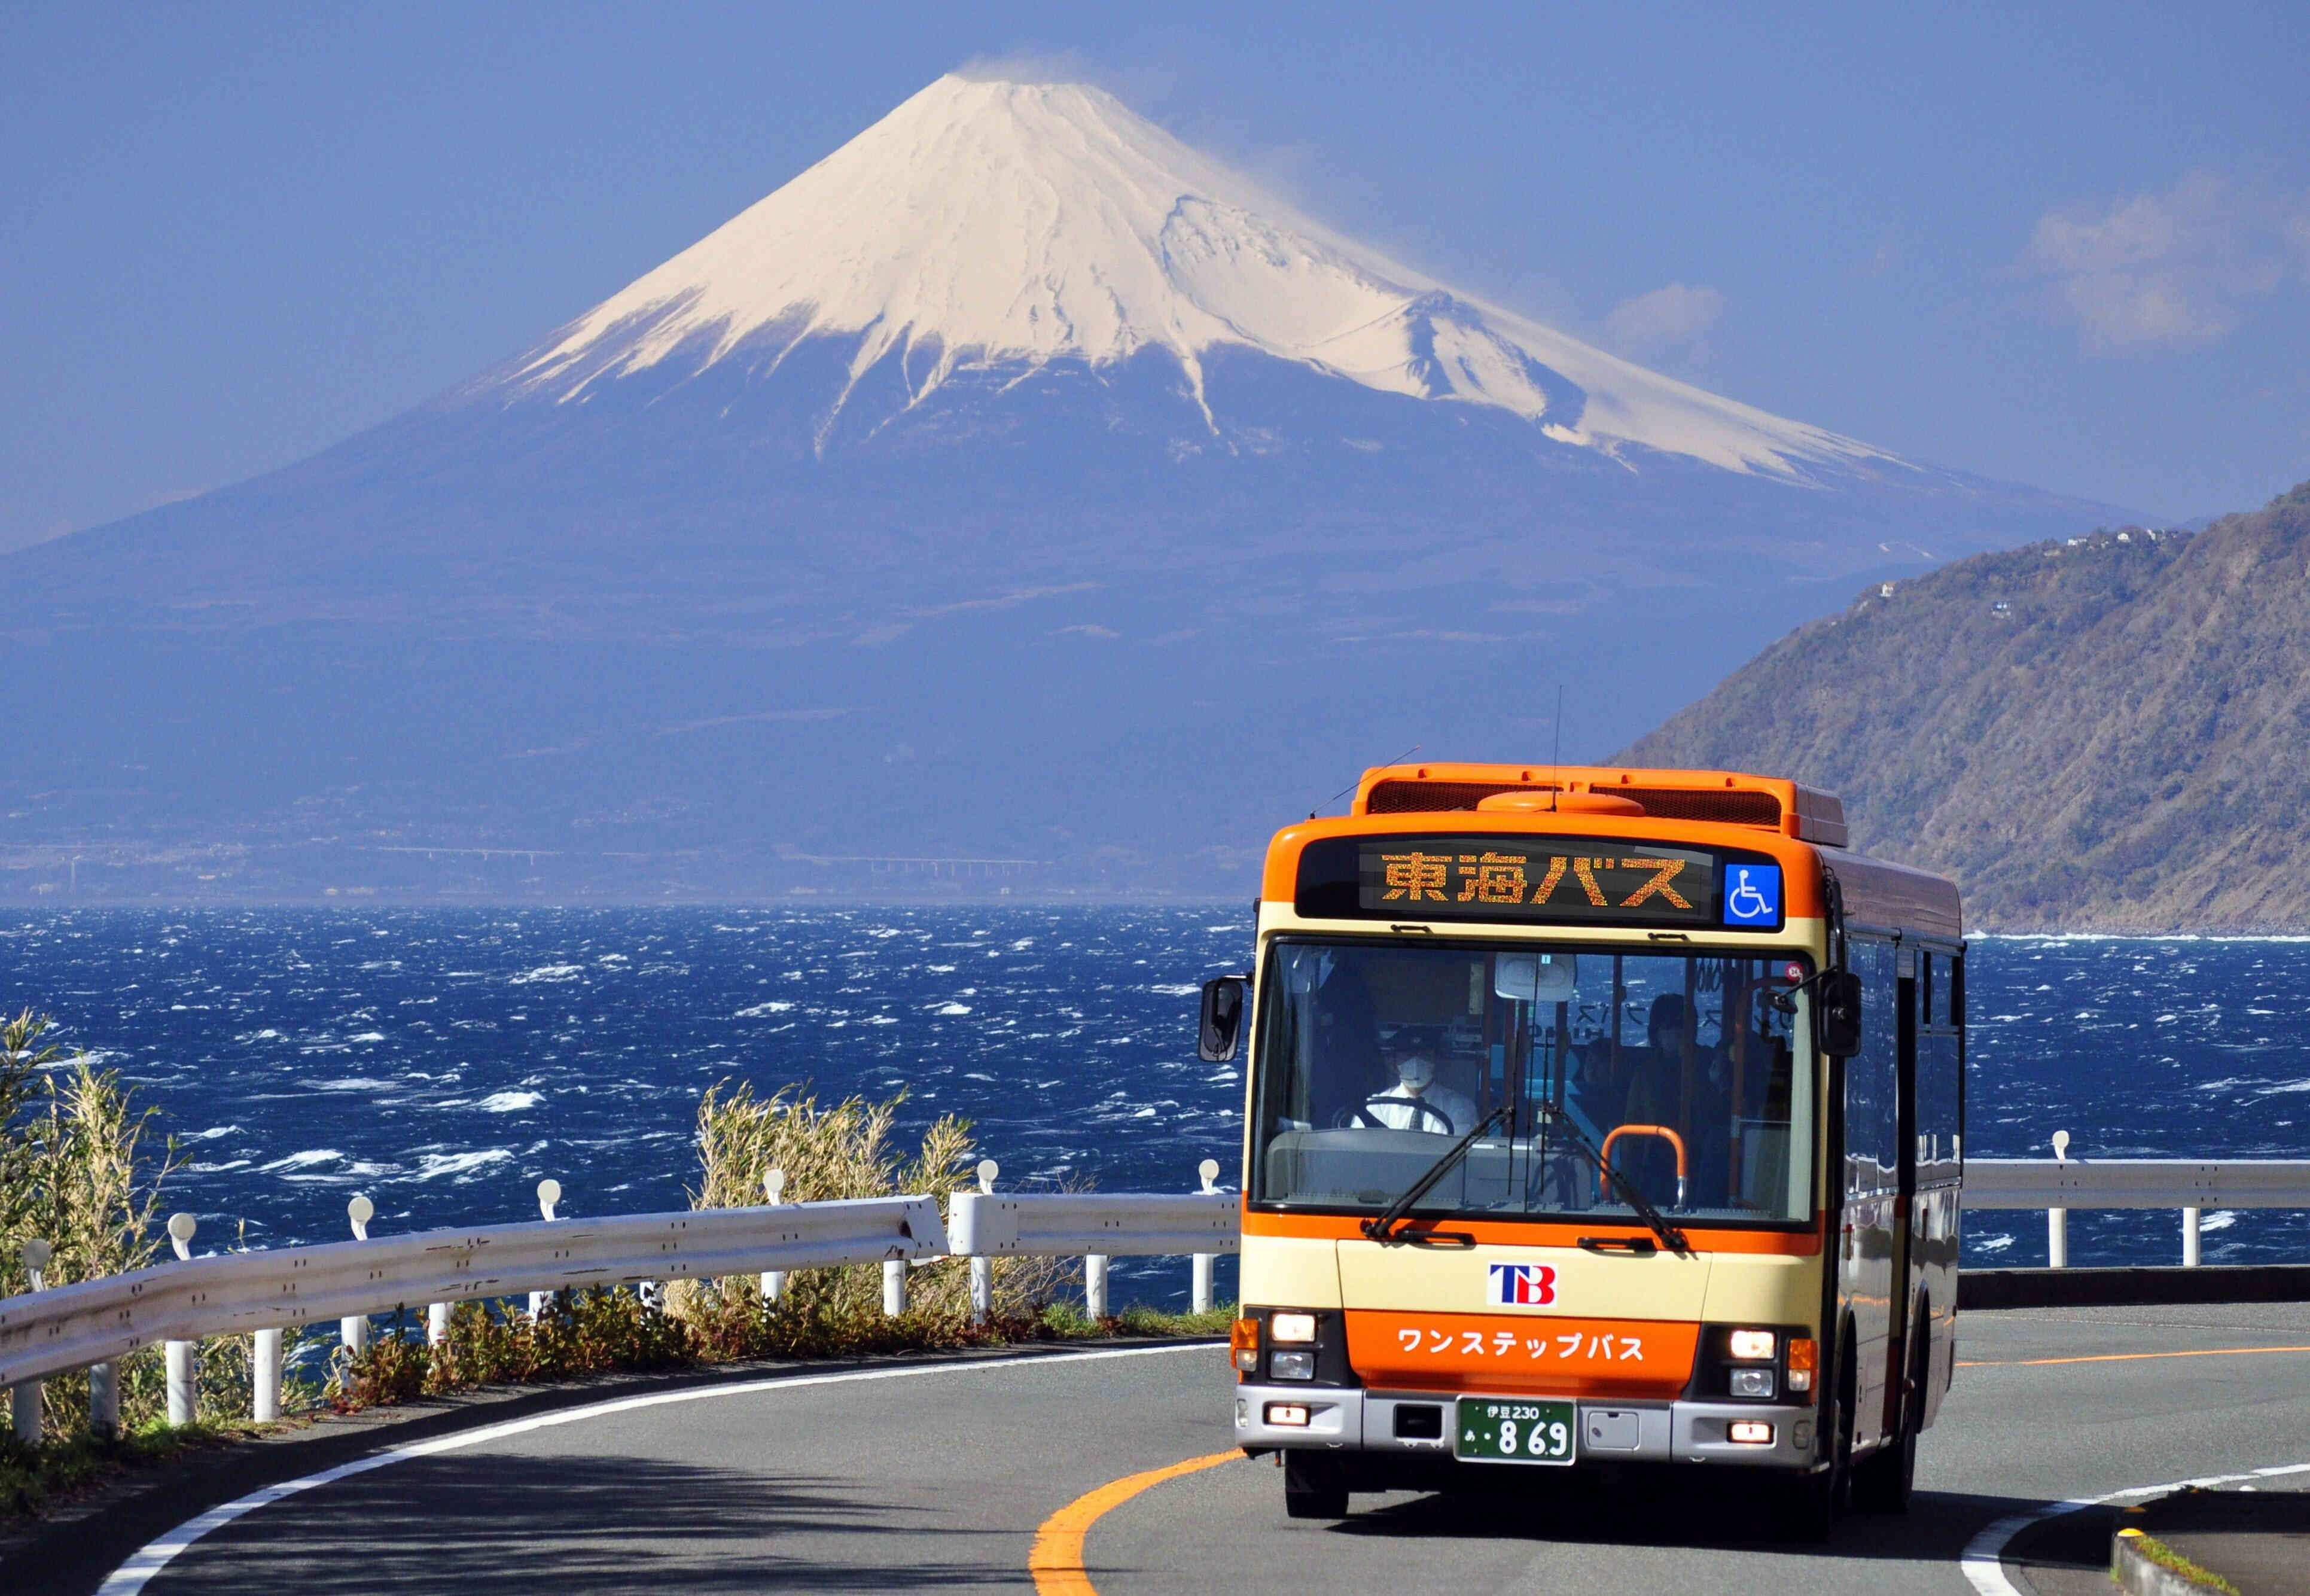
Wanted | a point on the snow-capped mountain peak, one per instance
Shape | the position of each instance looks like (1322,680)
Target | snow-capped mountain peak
(992,224)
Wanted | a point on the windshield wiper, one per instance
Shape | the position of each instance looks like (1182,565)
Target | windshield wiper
(1670,1235)
(1381,1227)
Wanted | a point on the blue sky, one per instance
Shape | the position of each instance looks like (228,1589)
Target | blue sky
(2065,246)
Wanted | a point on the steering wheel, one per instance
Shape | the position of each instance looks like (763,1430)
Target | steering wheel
(1424,1111)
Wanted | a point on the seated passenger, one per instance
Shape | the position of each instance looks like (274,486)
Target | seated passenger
(1415,1102)
(1654,1097)
(1596,1089)
(1655,1071)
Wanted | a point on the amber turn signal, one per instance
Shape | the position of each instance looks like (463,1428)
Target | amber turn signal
(1243,1344)
(1804,1358)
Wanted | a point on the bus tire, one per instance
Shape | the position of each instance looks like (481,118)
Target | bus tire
(1883,1484)
(1810,1505)
(1315,1485)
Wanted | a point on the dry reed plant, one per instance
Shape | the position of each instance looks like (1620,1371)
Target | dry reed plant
(828,1153)
(75,1171)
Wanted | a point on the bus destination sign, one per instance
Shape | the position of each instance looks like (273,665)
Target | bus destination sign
(1559,879)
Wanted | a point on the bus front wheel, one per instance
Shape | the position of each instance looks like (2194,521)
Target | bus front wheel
(1812,1503)
(1315,1485)
(1882,1483)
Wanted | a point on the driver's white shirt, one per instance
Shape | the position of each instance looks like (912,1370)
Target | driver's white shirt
(1394,1108)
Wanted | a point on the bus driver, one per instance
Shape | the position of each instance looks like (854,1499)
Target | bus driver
(1416,1102)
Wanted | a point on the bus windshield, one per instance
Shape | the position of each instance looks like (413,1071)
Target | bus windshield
(1680,1067)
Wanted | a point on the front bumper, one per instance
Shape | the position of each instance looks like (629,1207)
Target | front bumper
(1677,1431)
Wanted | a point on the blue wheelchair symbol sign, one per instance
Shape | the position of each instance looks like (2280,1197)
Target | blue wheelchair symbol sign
(1752,894)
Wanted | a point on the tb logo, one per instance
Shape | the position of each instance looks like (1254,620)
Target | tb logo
(1521,1286)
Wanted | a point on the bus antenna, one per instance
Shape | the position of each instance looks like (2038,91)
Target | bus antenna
(1350,787)
(1556,754)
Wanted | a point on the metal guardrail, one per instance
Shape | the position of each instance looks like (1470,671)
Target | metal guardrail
(2137,1182)
(984,1225)
(92,1324)
(2188,1185)
(48,1333)
(996,1225)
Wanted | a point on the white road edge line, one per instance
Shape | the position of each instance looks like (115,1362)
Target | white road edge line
(1984,1557)
(155,1555)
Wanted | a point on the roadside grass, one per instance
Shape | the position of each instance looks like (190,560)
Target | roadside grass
(35,1477)
(2147,1546)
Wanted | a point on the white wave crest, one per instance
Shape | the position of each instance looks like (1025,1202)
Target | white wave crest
(547,972)
(510,1102)
(433,1166)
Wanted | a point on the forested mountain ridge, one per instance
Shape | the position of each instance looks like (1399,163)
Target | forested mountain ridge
(2107,733)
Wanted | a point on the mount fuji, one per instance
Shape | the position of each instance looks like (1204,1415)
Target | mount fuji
(1016,483)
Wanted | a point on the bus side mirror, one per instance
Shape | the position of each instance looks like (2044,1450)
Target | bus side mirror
(1222,1019)
(1837,1013)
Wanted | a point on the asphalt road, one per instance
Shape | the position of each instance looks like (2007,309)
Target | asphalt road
(938,1478)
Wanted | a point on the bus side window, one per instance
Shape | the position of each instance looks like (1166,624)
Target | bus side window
(1871,1076)
(1879,1137)
(1938,1086)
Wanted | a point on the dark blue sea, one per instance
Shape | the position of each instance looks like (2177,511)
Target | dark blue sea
(442,1062)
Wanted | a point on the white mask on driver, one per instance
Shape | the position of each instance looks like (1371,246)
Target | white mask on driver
(1415,1072)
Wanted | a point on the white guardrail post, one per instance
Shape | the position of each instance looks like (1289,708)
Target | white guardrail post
(2057,1219)
(24,1397)
(437,1323)
(1199,1291)
(982,1268)
(549,1198)
(352,1330)
(182,1390)
(265,1358)
(774,1280)
(104,1400)
(2190,1237)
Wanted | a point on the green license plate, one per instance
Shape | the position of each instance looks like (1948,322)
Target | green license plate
(1515,1430)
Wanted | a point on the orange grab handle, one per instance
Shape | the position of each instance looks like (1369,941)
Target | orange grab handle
(1603,1182)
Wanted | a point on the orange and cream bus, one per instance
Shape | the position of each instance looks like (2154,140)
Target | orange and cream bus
(1597,1118)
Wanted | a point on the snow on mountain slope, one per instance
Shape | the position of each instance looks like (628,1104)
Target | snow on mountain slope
(986,224)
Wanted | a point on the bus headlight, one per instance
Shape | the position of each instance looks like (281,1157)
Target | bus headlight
(1291,1414)
(1291,1329)
(1751,1343)
(1748,1432)
(1752,1382)
(1292,1366)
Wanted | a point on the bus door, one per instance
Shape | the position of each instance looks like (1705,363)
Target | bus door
(1906,1254)
(1937,1137)
(1870,1271)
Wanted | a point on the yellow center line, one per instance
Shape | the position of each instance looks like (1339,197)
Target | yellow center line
(1057,1561)
(2029,1363)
